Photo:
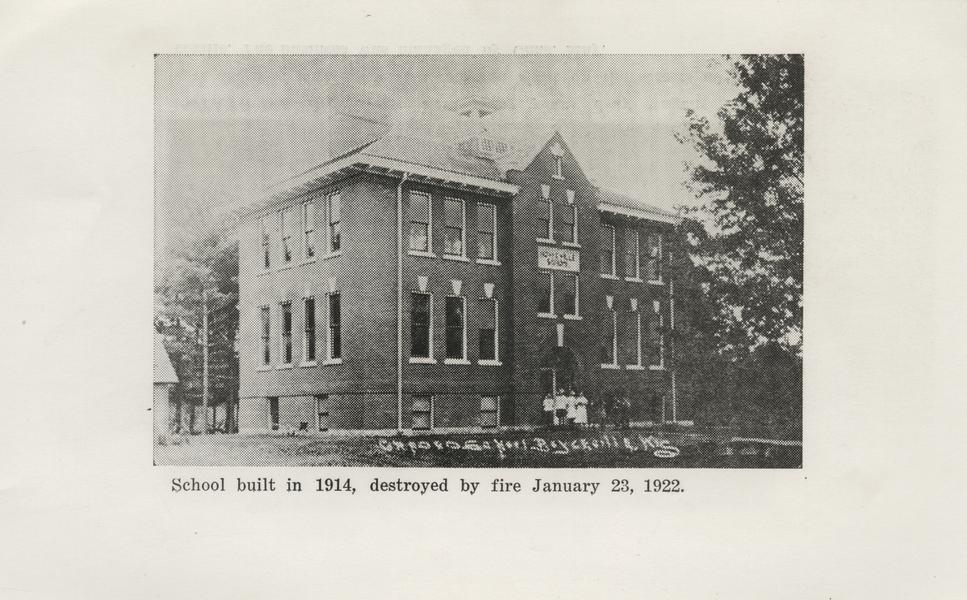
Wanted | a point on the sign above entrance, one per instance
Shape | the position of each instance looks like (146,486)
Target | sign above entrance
(560,259)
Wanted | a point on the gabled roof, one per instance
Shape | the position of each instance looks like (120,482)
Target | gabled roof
(164,372)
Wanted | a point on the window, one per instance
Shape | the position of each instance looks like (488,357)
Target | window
(654,257)
(421,325)
(656,338)
(489,411)
(420,222)
(422,412)
(453,227)
(634,338)
(564,225)
(558,167)
(274,413)
(335,222)
(266,247)
(309,229)
(631,254)
(335,327)
(266,335)
(544,219)
(566,288)
(487,311)
(287,235)
(309,343)
(609,341)
(486,231)
(545,291)
(322,412)
(287,333)
(456,323)
(607,250)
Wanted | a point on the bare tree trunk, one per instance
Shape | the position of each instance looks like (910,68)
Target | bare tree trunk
(204,359)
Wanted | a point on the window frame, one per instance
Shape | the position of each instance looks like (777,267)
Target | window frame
(429,224)
(453,360)
(496,343)
(613,325)
(429,358)
(266,243)
(288,253)
(333,225)
(309,336)
(285,308)
(330,357)
(550,276)
(320,399)
(495,412)
(614,267)
(265,333)
(577,296)
(463,228)
(493,259)
(659,324)
(656,254)
(634,253)
(548,234)
(308,234)
(558,167)
(429,412)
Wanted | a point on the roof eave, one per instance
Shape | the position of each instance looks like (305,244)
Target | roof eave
(637,213)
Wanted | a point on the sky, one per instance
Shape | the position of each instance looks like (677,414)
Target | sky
(229,125)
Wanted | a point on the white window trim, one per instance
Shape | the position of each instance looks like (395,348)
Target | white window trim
(288,364)
(463,242)
(550,221)
(558,167)
(576,315)
(551,314)
(659,258)
(614,266)
(265,245)
(463,359)
(432,410)
(282,237)
(329,360)
(614,342)
(305,338)
(494,362)
(661,339)
(637,254)
(329,250)
(495,259)
(425,360)
(429,226)
(497,424)
(307,207)
(574,227)
(262,365)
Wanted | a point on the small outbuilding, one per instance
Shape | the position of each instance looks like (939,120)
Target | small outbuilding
(165,380)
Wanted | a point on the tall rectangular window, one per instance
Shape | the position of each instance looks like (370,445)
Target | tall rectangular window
(309,339)
(322,412)
(631,254)
(422,412)
(558,167)
(634,338)
(489,411)
(287,235)
(564,224)
(266,335)
(454,222)
(309,229)
(266,244)
(656,337)
(566,289)
(335,326)
(456,325)
(607,250)
(544,219)
(609,339)
(487,312)
(486,231)
(654,257)
(334,210)
(545,292)
(420,223)
(286,333)
(421,325)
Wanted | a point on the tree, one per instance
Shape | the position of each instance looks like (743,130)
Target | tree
(749,182)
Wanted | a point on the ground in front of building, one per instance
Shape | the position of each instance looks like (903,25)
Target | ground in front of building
(538,449)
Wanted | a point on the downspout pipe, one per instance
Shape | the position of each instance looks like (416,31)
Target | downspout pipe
(399,304)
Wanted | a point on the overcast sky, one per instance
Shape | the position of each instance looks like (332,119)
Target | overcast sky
(227,124)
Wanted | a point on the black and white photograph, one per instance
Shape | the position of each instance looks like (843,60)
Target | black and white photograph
(482,260)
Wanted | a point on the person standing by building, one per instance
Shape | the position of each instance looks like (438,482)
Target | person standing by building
(560,408)
(571,407)
(549,419)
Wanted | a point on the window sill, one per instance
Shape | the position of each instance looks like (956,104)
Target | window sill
(422,253)
(456,258)
(286,366)
(634,279)
(571,244)
(332,361)
(547,315)
(489,363)
(261,272)
(420,360)
(635,367)
(263,368)
(456,361)
(285,266)
(609,366)
(558,177)
(310,363)
(332,255)
(656,367)
(308,261)
(545,241)
(488,261)
(573,317)
(656,282)
(609,276)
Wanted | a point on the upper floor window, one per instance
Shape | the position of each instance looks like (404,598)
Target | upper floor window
(309,229)
(486,231)
(545,219)
(335,326)
(656,337)
(454,225)
(566,223)
(566,285)
(607,250)
(334,211)
(545,293)
(654,258)
(631,254)
(309,339)
(287,227)
(634,338)
(420,224)
(421,325)
(287,333)
(487,312)
(558,167)
(266,244)
(456,326)
(266,335)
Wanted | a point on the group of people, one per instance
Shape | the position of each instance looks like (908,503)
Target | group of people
(566,409)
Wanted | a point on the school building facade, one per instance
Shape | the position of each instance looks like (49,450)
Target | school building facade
(413,285)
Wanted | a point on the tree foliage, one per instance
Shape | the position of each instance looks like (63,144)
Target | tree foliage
(749,182)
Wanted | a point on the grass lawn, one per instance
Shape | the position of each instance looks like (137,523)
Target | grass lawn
(628,448)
